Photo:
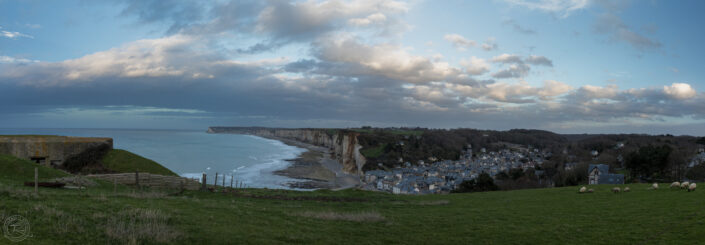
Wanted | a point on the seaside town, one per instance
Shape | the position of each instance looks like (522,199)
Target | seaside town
(445,176)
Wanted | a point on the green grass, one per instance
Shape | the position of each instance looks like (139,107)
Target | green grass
(260,216)
(20,170)
(123,161)
(373,151)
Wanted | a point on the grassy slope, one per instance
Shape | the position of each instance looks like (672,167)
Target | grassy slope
(124,161)
(540,216)
(373,152)
(20,170)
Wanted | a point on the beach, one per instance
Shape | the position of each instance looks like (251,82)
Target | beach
(318,167)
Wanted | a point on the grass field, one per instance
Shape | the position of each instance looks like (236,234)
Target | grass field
(123,161)
(373,152)
(259,216)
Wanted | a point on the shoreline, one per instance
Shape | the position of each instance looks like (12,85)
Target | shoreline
(317,167)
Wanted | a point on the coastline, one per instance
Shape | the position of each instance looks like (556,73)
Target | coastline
(317,166)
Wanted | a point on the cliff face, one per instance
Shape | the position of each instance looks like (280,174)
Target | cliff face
(343,144)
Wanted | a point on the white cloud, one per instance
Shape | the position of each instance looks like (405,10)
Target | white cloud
(8,59)
(507,58)
(561,7)
(679,91)
(459,42)
(14,34)
(387,60)
(552,88)
(369,20)
(475,66)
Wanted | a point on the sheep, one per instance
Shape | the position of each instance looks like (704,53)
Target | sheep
(626,189)
(691,187)
(675,185)
(616,190)
(591,190)
(582,189)
(654,186)
(685,185)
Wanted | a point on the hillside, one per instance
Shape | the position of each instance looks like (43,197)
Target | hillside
(260,216)
(122,161)
(20,170)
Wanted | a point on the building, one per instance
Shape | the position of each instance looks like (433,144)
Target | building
(51,150)
(599,174)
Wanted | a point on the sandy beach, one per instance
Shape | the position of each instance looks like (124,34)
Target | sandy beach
(318,167)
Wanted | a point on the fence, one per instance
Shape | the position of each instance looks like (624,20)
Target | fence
(149,180)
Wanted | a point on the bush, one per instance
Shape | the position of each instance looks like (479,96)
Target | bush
(696,173)
(482,183)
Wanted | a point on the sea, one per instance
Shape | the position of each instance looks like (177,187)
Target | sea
(249,160)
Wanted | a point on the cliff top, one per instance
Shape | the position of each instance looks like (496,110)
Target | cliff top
(50,138)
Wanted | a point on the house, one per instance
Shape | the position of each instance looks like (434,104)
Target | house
(599,174)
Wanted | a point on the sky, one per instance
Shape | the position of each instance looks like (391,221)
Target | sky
(568,66)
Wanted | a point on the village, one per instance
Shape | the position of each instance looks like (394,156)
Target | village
(445,176)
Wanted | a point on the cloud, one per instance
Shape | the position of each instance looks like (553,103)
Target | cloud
(518,67)
(539,60)
(513,71)
(489,44)
(459,42)
(275,23)
(345,78)
(508,59)
(14,35)
(612,25)
(475,66)
(518,28)
(386,60)
(680,91)
(563,8)
(8,59)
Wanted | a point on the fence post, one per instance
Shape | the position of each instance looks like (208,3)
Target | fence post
(203,182)
(36,180)
(215,182)
(231,181)
(80,185)
(223,180)
(137,179)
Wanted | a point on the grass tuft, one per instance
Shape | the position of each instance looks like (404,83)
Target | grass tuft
(137,226)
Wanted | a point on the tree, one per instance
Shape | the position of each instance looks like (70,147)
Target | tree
(480,184)
(701,141)
(649,162)
(696,173)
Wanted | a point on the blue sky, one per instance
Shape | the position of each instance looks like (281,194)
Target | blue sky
(568,66)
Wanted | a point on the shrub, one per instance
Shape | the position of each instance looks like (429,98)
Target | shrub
(482,183)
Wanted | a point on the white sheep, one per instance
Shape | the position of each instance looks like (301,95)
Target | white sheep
(626,189)
(675,184)
(685,185)
(616,190)
(691,187)
(583,189)
(654,186)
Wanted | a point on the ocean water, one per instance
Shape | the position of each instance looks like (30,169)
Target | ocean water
(248,159)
